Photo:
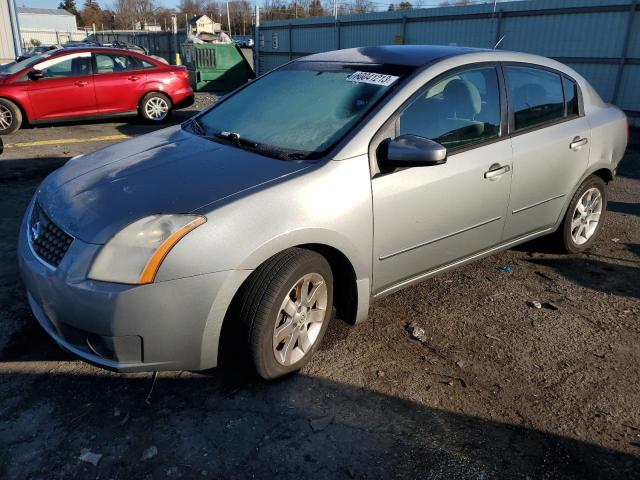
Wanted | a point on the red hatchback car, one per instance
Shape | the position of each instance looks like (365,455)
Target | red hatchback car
(83,83)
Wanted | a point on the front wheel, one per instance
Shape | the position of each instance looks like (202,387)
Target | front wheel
(285,309)
(584,218)
(155,107)
(10,117)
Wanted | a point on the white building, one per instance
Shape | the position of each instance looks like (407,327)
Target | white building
(203,24)
(46,19)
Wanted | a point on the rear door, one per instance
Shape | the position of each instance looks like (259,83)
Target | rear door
(119,79)
(66,89)
(550,139)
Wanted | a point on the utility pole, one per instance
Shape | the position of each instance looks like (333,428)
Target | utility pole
(228,19)
(335,9)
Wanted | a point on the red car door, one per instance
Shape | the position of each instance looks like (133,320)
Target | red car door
(118,81)
(65,88)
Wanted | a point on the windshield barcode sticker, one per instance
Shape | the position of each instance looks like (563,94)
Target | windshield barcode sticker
(372,78)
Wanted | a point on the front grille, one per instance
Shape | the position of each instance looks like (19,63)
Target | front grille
(49,242)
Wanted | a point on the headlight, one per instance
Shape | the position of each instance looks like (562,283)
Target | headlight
(136,252)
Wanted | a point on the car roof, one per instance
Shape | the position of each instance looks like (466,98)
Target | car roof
(410,55)
(90,48)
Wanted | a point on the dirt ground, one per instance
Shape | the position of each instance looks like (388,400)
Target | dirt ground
(497,389)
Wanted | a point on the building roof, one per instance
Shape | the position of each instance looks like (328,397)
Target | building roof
(44,11)
(413,55)
(198,17)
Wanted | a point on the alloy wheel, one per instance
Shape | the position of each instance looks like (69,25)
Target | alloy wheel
(586,216)
(156,108)
(6,117)
(300,319)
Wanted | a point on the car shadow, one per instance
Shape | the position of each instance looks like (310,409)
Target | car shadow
(624,207)
(594,272)
(231,424)
(130,125)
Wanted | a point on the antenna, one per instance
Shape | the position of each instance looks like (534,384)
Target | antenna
(498,42)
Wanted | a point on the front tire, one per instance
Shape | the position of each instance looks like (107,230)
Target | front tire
(585,216)
(155,107)
(10,117)
(285,309)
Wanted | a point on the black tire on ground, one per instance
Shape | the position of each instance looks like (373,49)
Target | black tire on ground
(260,301)
(10,112)
(565,230)
(159,99)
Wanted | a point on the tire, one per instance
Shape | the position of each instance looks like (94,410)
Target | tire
(580,229)
(155,107)
(276,283)
(10,117)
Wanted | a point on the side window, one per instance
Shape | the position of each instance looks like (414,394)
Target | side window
(146,64)
(570,96)
(536,96)
(74,65)
(459,110)
(114,62)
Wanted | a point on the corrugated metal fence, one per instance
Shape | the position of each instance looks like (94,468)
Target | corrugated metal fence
(598,38)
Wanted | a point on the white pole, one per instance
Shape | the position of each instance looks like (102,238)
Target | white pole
(228,19)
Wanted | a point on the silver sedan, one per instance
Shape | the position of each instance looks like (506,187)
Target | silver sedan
(327,183)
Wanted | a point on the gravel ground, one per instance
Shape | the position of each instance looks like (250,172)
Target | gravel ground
(495,388)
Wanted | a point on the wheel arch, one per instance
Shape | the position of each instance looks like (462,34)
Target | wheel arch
(154,89)
(605,173)
(351,299)
(18,103)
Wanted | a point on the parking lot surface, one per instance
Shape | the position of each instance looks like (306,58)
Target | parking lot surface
(495,389)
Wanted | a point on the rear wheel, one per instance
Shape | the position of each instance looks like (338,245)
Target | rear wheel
(155,107)
(285,309)
(584,218)
(10,117)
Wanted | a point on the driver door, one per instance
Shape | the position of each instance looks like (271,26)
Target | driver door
(428,217)
(66,90)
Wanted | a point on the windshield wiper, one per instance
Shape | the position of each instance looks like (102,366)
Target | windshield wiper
(235,138)
(197,127)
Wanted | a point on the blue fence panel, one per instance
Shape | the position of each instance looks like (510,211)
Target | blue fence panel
(598,38)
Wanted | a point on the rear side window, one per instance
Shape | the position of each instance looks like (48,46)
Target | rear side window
(461,109)
(570,96)
(146,64)
(536,96)
(114,62)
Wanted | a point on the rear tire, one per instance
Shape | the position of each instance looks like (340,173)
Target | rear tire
(285,308)
(10,117)
(585,216)
(155,107)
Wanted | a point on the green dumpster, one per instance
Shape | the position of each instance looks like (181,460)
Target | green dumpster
(216,66)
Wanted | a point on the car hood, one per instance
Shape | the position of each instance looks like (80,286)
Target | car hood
(93,196)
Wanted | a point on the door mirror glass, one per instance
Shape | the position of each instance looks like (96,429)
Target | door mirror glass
(414,151)
(36,75)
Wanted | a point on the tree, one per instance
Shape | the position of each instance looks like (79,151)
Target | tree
(392,8)
(92,14)
(405,6)
(70,6)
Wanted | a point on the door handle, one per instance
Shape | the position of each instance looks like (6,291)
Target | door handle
(134,78)
(81,83)
(496,170)
(578,142)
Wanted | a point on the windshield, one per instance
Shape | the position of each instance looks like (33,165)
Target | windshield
(301,110)
(16,67)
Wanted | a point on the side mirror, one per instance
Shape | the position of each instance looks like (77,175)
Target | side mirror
(35,75)
(414,151)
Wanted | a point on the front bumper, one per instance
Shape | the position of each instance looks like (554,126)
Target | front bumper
(170,325)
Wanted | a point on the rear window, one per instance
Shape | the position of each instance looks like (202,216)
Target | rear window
(536,95)
(115,62)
